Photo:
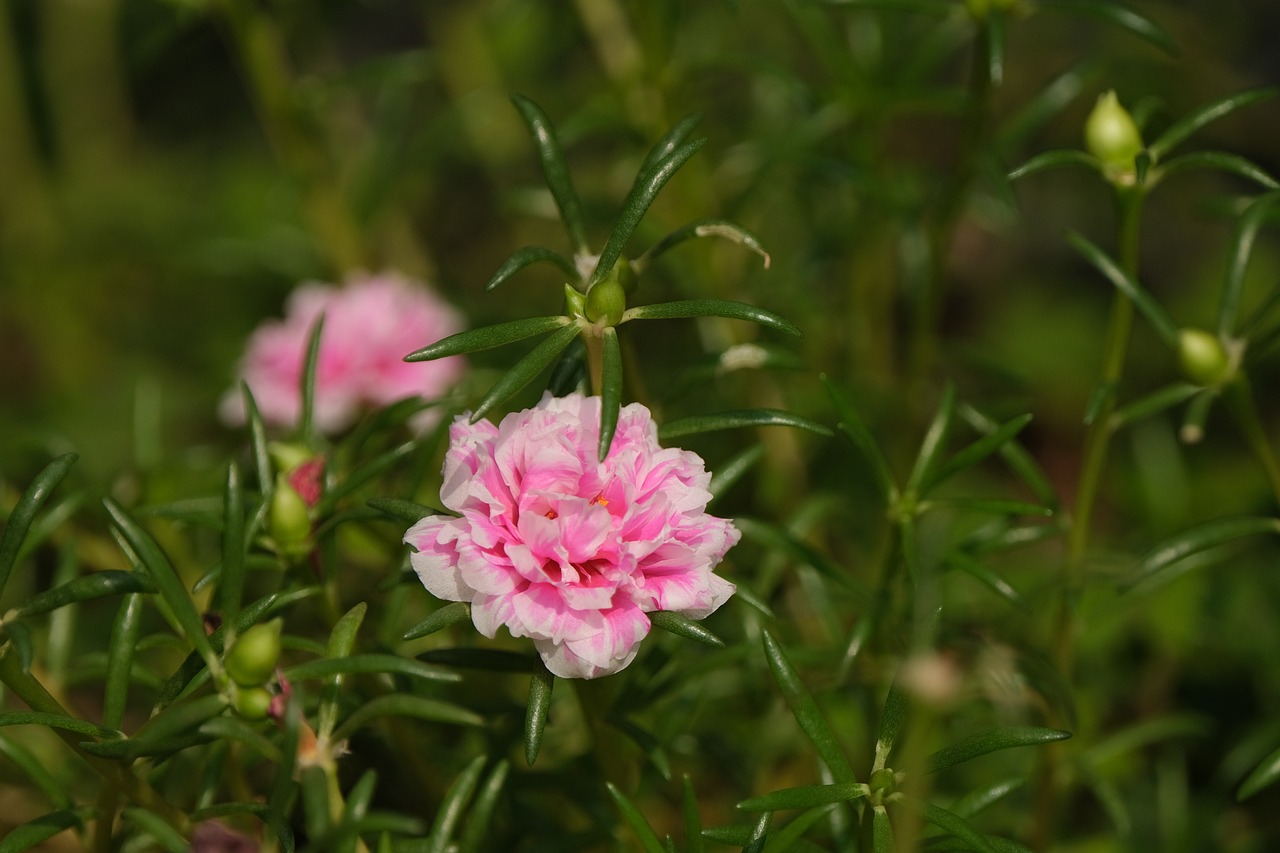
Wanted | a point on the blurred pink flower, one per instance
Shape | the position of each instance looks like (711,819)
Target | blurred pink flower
(370,325)
(565,549)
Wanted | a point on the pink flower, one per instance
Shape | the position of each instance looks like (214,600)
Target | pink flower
(565,549)
(369,327)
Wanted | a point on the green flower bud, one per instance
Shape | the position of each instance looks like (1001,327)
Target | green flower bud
(1203,358)
(1111,135)
(287,456)
(289,521)
(252,660)
(252,702)
(882,784)
(606,301)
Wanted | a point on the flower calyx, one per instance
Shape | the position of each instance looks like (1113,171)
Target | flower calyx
(606,299)
(1206,359)
(884,786)
(1112,136)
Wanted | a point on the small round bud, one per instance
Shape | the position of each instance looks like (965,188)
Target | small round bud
(882,782)
(252,702)
(606,301)
(1203,358)
(290,522)
(252,660)
(1111,135)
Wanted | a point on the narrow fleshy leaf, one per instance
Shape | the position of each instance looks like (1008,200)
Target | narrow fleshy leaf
(1055,160)
(882,831)
(165,578)
(178,719)
(410,512)
(1241,251)
(20,637)
(855,429)
(569,373)
(342,640)
(478,825)
(736,419)
(710,308)
(1120,16)
(1263,776)
(1197,119)
(976,452)
(31,834)
(85,588)
(258,439)
(781,540)
(953,825)
(57,721)
(229,728)
(649,840)
(19,521)
(36,769)
(1197,539)
(525,370)
(737,835)
(693,840)
(727,475)
(670,141)
(646,189)
(522,258)
(891,720)
(788,839)
(306,417)
(1146,733)
(366,473)
(369,664)
(675,623)
(759,833)
(1010,537)
(492,660)
(231,585)
(1015,456)
(610,390)
(555,170)
(963,562)
(1220,161)
(993,740)
(806,797)
(399,705)
(124,640)
(1154,403)
(805,710)
(935,439)
(535,718)
(1145,302)
(704,228)
(1047,103)
(649,744)
(454,803)
(488,337)
(450,614)
(996,36)
(975,801)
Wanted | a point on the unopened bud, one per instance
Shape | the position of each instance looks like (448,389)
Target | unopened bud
(882,783)
(252,660)
(1203,358)
(1111,135)
(252,702)
(606,301)
(290,521)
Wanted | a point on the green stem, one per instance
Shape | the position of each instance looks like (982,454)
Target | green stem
(1239,397)
(595,360)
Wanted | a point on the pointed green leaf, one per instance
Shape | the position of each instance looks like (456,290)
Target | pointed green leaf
(1055,160)
(525,370)
(1263,776)
(954,825)
(891,720)
(778,539)
(1120,16)
(805,710)
(535,718)
(882,831)
(672,140)
(231,728)
(124,639)
(306,417)
(636,820)
(806,797)
(403,705)
(737,835)
(704,228)
(975,801)
(450,614)
(231,586)
(342,640)
(995,35)
(710,308)
(1192,122)
(735,419)
(648,743)
(1047,103)
(1014,455)
(407,511)
(57,721)
(369,664)
(1241,251)
(1221,161)
(610,390)
(788,839)
(759,834)
(1154,403)
(973,568)
(86,588)
(855,429)
(522,258)
(36,769)
(165,578)
(488,337)
(1197,539)
(692,819)
(31,834)
(366,473)
(646,189)
(556,171)
(1145,733)
(1145,302)
(976,452)
(258,437)
(683,626)
(935,439)
(727,475)
(454,803)
(992,740)
(19,521)
(479,820)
